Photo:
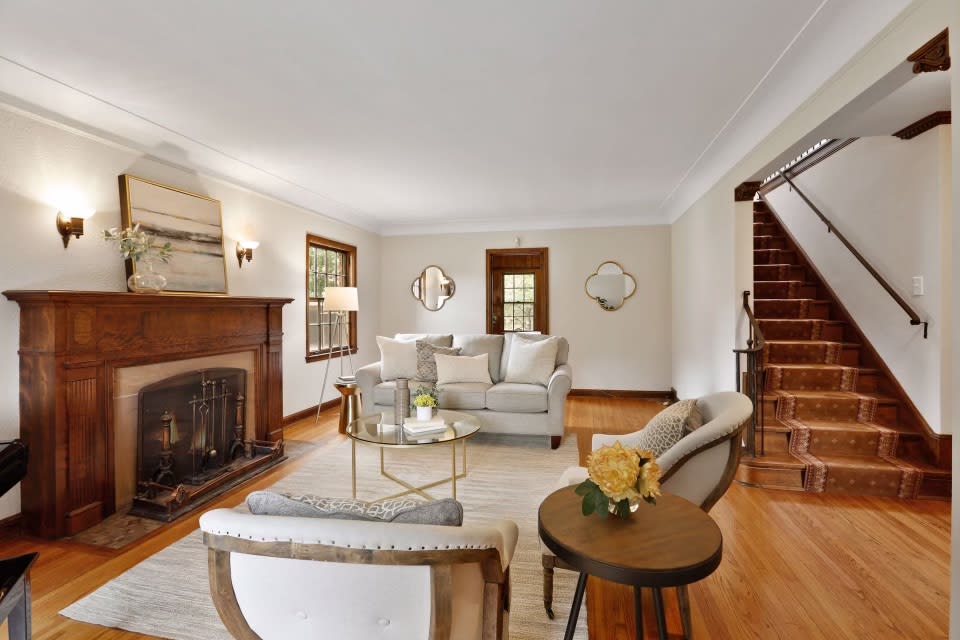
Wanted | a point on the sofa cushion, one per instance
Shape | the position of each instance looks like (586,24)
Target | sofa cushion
(532,361)
(463,369)
(475,344)
(517,398)
(405,510)
(563,349)
(437,339)
(463,395)
(383,392)
(666,428)
(398,358)
(427,362)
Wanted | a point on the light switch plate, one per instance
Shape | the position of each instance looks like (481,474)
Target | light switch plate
(918,285)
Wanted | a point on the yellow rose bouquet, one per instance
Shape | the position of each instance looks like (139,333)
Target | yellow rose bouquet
(618,478)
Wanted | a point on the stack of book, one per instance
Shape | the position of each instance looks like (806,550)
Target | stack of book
(417,427)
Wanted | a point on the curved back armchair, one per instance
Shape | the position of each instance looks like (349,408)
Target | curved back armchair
(286,578)
(699,468)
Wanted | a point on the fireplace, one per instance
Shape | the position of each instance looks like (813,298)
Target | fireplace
(84,358)
(192,442)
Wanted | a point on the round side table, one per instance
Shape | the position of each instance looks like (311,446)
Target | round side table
(670,544)
(349,403)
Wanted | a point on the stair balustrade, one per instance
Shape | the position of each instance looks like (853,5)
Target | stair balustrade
(754,377)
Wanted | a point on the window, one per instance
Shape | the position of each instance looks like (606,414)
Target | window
(518,299)
(334,264)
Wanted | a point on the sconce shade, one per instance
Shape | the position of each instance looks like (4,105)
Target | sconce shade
(340,299)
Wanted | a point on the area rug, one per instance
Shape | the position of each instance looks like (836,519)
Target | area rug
(167,595)
(121,529)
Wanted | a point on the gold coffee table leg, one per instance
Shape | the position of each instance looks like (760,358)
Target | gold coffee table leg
(453,467)
(353,466)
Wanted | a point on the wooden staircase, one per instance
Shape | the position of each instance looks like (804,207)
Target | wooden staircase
(835,420)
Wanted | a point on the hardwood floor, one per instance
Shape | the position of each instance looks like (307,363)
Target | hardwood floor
(796,565)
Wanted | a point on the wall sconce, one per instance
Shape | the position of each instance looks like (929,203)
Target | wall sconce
(245,250)
(71,223)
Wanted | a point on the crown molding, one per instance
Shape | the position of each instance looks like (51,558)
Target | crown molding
(924,124)
(542,223)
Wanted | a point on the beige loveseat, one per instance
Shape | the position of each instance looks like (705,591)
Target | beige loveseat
(502,407)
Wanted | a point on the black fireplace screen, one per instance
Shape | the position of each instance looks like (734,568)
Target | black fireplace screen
(191,427)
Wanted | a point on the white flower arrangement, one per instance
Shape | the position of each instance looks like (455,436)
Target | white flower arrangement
(137,245)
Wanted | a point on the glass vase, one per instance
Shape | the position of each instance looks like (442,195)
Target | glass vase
(634,505)
(145,279)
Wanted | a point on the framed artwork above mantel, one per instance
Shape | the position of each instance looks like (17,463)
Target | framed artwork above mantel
(190,222)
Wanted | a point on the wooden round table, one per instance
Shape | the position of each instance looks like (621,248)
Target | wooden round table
(670,544)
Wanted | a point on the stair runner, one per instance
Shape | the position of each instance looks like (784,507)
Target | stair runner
(822,409)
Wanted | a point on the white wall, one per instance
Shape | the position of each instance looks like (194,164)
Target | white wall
(624,349)
(37,158)
(953,354)
(711,333)
(705,297)
(884,195)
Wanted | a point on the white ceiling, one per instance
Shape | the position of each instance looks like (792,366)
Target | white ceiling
(440,115)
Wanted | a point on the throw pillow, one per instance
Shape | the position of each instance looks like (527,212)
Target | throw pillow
(695,419)
(398,358)
(445,512)
(666,428)
(532,362)
(427,362)
(463,369)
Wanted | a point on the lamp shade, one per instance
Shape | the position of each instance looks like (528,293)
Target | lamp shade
(340,299)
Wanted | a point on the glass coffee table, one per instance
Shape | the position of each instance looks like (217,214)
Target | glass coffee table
(378,430)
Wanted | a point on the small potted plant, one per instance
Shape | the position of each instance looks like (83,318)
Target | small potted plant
(425,401)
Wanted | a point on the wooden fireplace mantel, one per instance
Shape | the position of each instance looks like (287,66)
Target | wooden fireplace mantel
(70,344)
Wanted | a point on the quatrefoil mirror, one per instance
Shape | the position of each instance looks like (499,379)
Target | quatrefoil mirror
(610,286)
(433,287)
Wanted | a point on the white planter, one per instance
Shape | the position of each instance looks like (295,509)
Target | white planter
(424,413)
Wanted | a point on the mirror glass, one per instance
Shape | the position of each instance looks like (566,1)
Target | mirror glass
(433,288)
(610,286)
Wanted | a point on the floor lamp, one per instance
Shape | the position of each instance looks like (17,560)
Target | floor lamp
(339,300)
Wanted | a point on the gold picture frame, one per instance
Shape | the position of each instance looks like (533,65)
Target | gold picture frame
(192,223)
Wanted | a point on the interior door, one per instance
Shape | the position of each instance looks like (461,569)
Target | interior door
(517,293)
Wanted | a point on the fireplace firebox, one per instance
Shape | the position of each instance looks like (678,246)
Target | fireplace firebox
(192,440)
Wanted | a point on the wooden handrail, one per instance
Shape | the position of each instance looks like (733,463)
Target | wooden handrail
(914,316)
(755,377)
(756,341)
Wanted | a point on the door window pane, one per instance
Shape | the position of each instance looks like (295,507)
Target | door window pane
(519,294)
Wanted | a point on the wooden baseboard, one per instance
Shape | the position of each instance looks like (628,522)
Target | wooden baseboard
(12,525)
(309,411)
(623,393)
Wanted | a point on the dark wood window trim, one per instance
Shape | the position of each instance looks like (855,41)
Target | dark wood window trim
(542,284)
(351,281)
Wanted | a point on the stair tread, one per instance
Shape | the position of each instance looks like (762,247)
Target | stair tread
(881,399)
(816,366)
(802,320)
(844,344)
(774,460)
(832,425)
(872,462)
(814,300)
